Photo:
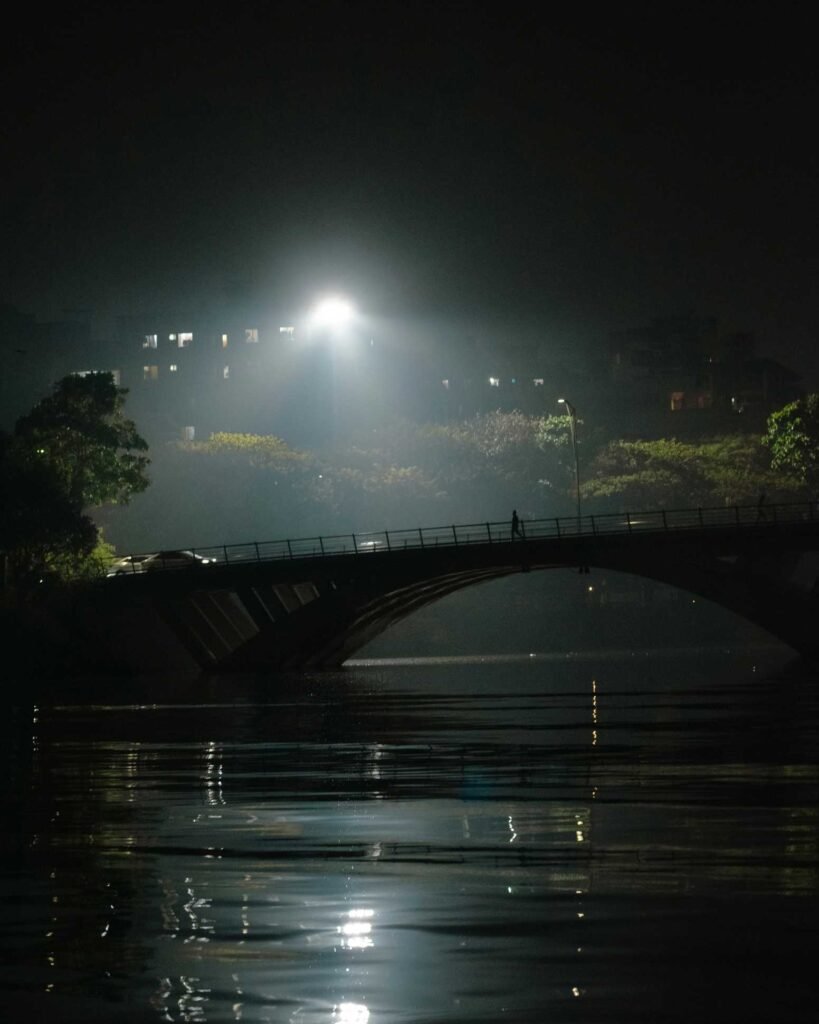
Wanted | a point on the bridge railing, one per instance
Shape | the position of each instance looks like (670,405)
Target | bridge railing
(733,517)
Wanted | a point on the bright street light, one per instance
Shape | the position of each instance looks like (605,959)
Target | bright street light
(331,322)
(332,313)
(572,411)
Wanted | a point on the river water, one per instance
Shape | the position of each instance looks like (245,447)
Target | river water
(619,837)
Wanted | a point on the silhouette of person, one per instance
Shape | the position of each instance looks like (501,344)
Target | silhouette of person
(516,530)
(760,507)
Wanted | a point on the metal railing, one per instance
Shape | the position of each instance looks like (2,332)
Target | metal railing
(734,517)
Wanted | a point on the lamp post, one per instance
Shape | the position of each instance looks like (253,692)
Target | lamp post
(572,412)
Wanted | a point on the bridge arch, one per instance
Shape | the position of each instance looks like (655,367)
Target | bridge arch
(315,608)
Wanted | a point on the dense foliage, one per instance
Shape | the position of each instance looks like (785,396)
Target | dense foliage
(667,473)
(74,451)
(243,487)
(38,519)
(793,439)
(81,432)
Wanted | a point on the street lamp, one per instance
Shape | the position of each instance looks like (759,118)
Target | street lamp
(572,411)
(332,317)
(332,314)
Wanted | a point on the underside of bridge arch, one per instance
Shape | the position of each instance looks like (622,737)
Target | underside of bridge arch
(316,614)
(758,589)
(751,592)
(329,630)
(334,628)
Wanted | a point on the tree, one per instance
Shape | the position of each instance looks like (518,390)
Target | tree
(38,520)
(75,450)
(554,438)
(81,432)
(793,439)
(667,473)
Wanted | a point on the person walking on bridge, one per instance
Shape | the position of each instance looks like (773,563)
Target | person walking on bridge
(516,530)
(760,507)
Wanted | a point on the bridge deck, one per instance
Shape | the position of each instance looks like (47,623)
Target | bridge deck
(734,517)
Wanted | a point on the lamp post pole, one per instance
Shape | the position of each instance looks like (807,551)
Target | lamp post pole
(572,411)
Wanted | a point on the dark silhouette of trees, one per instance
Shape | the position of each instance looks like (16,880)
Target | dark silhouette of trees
(74,451)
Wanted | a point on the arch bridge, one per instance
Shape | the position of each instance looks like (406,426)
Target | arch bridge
(312,602)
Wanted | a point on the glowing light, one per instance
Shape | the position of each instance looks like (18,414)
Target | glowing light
(332,313)
(351,1013)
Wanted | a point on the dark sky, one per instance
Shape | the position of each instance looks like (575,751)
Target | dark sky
(486,163)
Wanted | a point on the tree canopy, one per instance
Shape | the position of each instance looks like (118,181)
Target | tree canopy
(75,450)
(667,473)
(37,517)
(793,439)
(81,432)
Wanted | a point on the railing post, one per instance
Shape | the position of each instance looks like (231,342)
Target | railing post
(355,546)
(289,549)
(593,526)
(665,521)
(321,544)
(256,545)
(387,536)
(557,524)
(455,536)
(489,532)
(628,521)
(227,560)
(421,536)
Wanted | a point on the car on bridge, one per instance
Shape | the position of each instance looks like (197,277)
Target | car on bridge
(180,559)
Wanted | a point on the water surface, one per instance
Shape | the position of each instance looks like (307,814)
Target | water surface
(617,837)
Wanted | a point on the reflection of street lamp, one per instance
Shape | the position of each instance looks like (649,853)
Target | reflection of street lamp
(570,409)
(332,316)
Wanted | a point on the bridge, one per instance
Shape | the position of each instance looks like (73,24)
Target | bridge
(310,603)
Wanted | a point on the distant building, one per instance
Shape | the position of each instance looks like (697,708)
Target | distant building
(684,365)
(191,373)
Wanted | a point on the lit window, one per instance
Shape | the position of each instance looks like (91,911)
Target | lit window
(287,330)
(224,341)
(150,372)
(226,373)
(538,382)
(445,383)
(149,341)
(171,337)
(252,334)
(188,433)
(185,338)
(494,382)
(90,373)
(173,367)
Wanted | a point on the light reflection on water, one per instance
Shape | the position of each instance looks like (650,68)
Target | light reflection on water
(596,839)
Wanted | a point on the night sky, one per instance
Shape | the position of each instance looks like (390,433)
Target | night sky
(503,167)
